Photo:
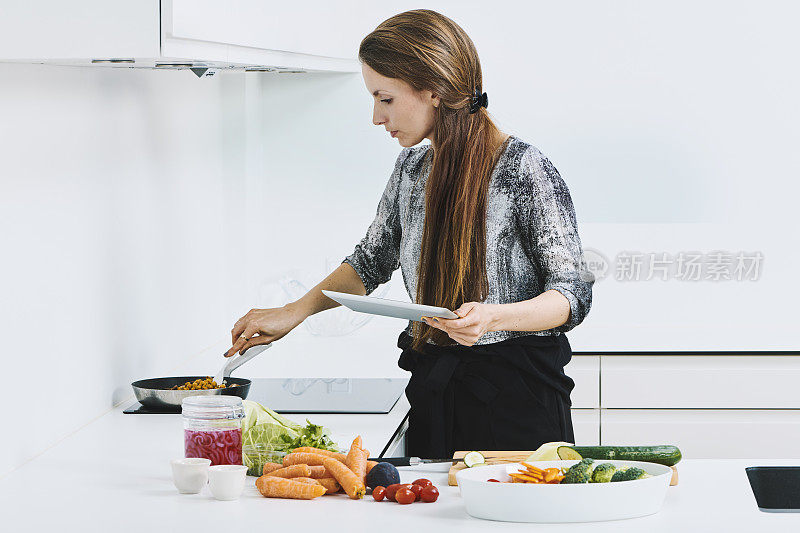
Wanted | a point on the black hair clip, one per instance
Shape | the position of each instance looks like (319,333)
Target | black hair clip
(478,100)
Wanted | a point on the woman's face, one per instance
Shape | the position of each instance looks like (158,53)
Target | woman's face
(400,108)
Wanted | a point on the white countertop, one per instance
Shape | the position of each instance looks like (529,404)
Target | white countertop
(114,475)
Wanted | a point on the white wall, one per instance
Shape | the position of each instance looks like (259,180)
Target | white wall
(143,212)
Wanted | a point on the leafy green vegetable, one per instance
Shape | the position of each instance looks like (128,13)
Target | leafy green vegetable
(268,436)
(311,435)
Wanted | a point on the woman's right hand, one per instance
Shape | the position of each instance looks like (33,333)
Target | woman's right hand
(262,326)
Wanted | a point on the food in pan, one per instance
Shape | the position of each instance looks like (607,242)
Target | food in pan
(201,384)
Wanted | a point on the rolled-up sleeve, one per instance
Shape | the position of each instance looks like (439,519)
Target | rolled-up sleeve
(377,255)
(552,235)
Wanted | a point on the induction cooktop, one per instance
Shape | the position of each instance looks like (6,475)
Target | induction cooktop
(315,395)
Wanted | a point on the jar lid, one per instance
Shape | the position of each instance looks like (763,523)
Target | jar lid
(213,407)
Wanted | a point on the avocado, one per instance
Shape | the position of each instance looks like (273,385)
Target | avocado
(382,475)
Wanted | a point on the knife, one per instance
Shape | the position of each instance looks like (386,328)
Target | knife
(412,461)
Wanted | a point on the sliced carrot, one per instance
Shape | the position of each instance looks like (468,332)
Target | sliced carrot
(525,477)
(532,468)
(270,467)
(330,484)
(297,470)
(531,474)
(319,451)
(350,482)
(310,459)
(278,487)
(550,474)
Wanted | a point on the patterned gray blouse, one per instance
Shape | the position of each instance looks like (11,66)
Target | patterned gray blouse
(532,242)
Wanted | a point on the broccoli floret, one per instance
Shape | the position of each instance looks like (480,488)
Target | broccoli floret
(603,473)
(629,474)
(580,472)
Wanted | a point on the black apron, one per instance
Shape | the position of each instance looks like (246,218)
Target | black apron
(508,395)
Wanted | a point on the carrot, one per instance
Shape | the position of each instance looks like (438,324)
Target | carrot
(277,487)
(330,484)
(532,468)
(356,460)
(270,467)
(525,477)
(310,449)
(350,482)
(371,465)
(308,480)
(310,459)
(358,463)
(550,474)
(318,471)
(297,470)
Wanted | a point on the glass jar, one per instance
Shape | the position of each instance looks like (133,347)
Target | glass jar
(212,428)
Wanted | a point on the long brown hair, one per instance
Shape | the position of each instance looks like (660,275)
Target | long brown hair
(431,52)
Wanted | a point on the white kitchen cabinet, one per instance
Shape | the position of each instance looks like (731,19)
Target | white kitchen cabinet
(585,372)
(700,382)
(315,27)
(237,34)
(586,426)
(707,434)
(43,30)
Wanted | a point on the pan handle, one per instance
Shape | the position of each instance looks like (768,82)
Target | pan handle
(236,362)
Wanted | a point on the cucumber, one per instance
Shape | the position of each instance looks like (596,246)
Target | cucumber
(474,459)
(664,454)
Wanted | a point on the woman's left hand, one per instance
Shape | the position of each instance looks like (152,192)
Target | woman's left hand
(474,320)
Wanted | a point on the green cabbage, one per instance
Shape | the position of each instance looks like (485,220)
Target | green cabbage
(268,436)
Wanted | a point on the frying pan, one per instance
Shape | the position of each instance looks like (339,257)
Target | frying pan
(155,392)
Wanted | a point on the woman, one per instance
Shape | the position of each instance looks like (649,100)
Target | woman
(480,222)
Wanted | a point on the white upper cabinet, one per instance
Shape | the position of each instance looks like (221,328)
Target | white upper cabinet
(238,34)
(311,27)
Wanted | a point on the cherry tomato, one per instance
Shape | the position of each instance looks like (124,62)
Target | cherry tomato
(379,493)
(392,489)
(405,496)
(422,482)
(494,480)
(416,489)
(429,494)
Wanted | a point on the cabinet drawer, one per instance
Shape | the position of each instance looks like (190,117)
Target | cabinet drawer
(700,382)
(586,426)
(585,372)
(707,434)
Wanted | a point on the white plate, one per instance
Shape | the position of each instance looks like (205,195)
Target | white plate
(384,307)
(584,502)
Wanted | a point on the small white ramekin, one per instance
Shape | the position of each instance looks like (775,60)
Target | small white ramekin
(227,481)
(190,474)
